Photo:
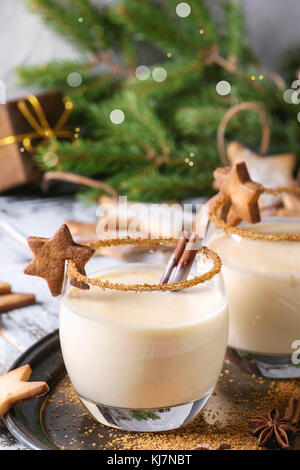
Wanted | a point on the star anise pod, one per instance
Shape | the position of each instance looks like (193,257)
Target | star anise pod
(273,431)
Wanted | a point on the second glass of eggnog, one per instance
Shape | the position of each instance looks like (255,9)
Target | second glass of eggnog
(144,361)
(262,281)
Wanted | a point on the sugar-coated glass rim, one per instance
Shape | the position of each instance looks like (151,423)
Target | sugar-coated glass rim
(106,321)
(73,272)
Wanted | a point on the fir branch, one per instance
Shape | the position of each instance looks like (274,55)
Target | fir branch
(199,23)
(156,24)
(89,158)
(199,120)
(53,74)
(140,120)
(63,18)
(88,27)
(181,75)
(166,146)
(155,186)
(117,69)
(232,26)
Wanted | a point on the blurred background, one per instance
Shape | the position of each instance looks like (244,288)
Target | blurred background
(272,27)
(138,98)
(138,91)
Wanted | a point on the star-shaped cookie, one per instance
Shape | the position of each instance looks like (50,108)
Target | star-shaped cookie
(50,255)
(14,388)
(235,182)
(271,171)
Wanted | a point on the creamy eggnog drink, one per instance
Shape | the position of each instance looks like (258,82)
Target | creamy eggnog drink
(262,281)
(141,351)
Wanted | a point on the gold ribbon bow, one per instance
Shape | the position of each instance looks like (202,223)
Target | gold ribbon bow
(40,125)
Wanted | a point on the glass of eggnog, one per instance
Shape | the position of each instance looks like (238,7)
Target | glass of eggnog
(144,360)
(262,281)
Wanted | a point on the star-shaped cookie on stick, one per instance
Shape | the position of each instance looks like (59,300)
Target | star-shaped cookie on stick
(50,255)
(236,183)
(15,389)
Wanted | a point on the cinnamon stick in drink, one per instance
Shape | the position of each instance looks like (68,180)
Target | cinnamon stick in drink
(181,271)
(174,258)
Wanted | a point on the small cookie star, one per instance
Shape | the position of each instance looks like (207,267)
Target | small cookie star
(272,170)
(243,192)
(50,255)
(14,388)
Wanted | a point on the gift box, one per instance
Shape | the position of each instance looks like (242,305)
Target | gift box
(24,124)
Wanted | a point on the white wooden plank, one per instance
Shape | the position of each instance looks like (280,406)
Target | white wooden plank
(20,328)
(8,353)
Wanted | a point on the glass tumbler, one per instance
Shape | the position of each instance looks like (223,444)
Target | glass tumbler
(144,361)
(262,281)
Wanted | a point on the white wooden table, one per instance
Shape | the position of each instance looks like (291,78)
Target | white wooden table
(22,327)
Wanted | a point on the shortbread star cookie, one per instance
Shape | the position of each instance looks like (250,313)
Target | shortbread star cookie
(15,389)
(270,171)
(236,183)
(50,255)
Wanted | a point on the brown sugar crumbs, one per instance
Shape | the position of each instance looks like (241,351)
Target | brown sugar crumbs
(222,421)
